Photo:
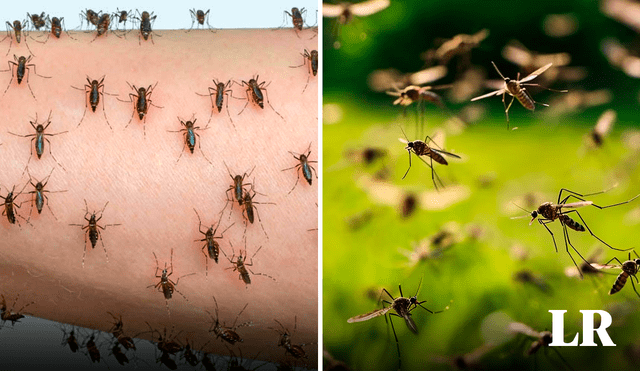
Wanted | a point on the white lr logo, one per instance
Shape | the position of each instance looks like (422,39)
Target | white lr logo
(587,329)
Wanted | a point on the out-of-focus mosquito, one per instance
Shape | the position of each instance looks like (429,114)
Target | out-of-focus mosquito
(603,127)
(402,307)
(419,95)
(528,277)
(390,78)
(528,60)
(543,339)
(468,361)
(549,212)
(422,148)
(629,269)
(346,11)
(516,89)
(461,44)
(589,267)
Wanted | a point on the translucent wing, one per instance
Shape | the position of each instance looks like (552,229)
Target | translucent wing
(332,10)
(445,153)
(497,92)
(574,205)
(536,73)
(605,122)
(428,75)
(518,54)
(521,328)
(368,316)
(410,323)
(605,266)
(369,7)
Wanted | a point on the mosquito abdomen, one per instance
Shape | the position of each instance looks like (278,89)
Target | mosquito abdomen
(619,284)
(566,220)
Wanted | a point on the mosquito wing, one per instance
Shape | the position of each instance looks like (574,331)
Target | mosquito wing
(521,328)
(428,75)
(536,73)
(368,316)
(445,153)
(518,54)
(332,10)
(369,7)
(605,122)
(402,140)
(605,266)
(410,323)
(497,92)
(574,205)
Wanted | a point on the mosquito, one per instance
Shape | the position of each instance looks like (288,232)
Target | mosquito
(422,148)
(629,269)
(190,136)
(39,138)
(18,30)
(237,189)
(549,212)
(93,230)
(419,95)
(22,65)
(227,334)
(295,350)
(39,194)
(201,17)
(603,127)
(303,165)
(219,92)
(240,264)
(310,58)
(346,11)
(402,307)
(166,286)
(10,205)
(70,339)
(8,314)
(516,89)
(543,339)
(211,245)
(117,330)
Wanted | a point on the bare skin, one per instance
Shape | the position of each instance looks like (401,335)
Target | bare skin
(152,196)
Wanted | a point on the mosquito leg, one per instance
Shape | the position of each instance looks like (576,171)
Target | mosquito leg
(506,111)
(544,223)
(612,259)
(562,358)
(397,343)
(588,229)
(407,172)
(634,286)
(569,240)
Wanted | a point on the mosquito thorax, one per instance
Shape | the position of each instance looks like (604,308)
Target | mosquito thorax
(507,80)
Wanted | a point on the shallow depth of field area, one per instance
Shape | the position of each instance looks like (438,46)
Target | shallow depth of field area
(491,270)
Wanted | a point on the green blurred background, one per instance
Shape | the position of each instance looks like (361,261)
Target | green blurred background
(367,239)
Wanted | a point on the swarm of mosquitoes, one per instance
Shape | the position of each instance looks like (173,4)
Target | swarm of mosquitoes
(417,89)
(118,343)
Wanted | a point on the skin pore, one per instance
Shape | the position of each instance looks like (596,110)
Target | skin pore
(152,195)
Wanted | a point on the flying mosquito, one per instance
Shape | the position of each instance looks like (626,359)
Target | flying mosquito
(422,148)
(402,307)
(543,339)
(346,11)
(516,89)
(603,127)
(548,212)
(629,269)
